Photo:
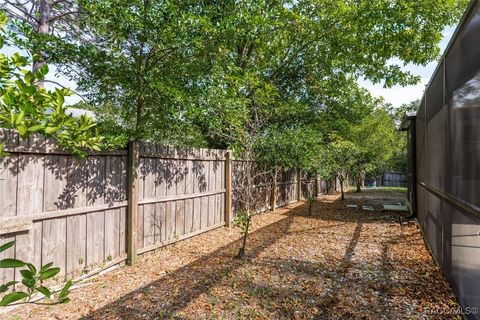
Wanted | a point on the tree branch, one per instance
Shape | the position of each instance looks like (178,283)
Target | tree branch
(64,87)
(60,16)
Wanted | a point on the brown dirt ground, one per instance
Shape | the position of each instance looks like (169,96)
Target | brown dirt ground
(335,264)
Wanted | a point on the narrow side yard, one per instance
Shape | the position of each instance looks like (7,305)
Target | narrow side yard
(335,264)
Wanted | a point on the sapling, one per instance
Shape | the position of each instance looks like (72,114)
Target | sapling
(242,220)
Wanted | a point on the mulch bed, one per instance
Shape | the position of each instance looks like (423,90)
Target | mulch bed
(334,264)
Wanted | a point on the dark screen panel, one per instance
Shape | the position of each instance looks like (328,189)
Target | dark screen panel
(462,253)
(421,152)
(463,92)
(434,118)
(433,226)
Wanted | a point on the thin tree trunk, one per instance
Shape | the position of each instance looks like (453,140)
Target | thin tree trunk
(43,28)
(341,189)
(359,185)
(241,252)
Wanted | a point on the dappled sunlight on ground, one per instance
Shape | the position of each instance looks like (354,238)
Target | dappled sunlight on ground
(333,264)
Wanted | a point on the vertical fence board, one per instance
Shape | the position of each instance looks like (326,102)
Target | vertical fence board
(8,198)
(95,220)
(29,201)
(84,241)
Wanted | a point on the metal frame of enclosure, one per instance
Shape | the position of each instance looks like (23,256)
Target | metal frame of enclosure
(444,146)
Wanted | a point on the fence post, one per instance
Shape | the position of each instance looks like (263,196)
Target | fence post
(228,189)
(273,192)
(299,185)
(132,197)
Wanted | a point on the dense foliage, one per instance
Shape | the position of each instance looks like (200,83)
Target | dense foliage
(274,80)
(28,109)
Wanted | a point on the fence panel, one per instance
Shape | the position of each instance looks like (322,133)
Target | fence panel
(74,212)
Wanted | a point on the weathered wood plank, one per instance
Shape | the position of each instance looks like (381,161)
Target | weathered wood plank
(77,245)
(196,214)
(123,231)
(112,230)
(189,216)
(113,194)
(211,200)
(96,167)
(56,175)
(140,226)
(149,176)
(29,201)
(95,239)
(179,218)
(204,212)
(53,243)
(8,197)
(218,185)
(8,185)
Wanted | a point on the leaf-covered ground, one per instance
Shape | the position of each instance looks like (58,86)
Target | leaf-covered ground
(335,264)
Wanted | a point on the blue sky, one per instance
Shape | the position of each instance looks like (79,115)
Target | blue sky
(395,95)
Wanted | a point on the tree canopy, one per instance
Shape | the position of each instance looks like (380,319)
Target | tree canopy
(254,75)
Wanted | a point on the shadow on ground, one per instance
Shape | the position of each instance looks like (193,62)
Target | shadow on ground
(269,284)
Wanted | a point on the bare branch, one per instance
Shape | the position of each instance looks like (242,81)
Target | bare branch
(64,87)
(22,9)
(60,16)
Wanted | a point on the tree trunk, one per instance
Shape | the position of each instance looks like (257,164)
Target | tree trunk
(43,28)
(241,252)
(359,185)
(341,189)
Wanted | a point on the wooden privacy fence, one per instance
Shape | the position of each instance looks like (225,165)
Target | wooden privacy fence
(392,179)
(88,214)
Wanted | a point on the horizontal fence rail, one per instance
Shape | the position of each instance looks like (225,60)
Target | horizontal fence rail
(87,214)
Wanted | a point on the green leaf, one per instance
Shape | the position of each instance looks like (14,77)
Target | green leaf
(45,267)
(11,263)
(44,69)
(49,273)
(12,297)
(22,130)
(36,128)
(29,283)
(60,97)
(4,287)
(49,130)
(64,293)
(26,274)
(44,290)
(7,245)
(32,268)
(20,117)
(8,98)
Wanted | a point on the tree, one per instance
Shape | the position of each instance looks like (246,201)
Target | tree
(169,66)
(28,109)
(36,22)
(374,141)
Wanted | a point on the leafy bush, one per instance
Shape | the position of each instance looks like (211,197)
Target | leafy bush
(32,279)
